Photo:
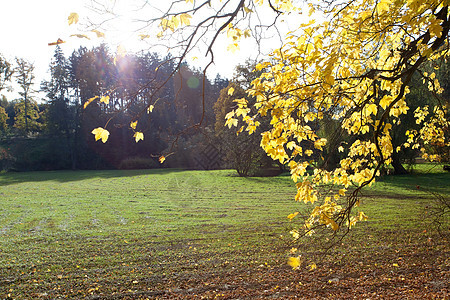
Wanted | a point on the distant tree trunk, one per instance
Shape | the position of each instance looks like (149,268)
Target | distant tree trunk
(26,113)
(76,135)
(397,164)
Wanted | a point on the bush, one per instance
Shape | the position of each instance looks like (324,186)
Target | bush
(132,163)
(6,159)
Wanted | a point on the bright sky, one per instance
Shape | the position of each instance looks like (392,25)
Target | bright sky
(27,26)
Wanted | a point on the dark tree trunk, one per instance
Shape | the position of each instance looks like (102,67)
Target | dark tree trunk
(397,164)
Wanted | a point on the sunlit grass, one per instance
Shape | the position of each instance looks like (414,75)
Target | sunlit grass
(78,231)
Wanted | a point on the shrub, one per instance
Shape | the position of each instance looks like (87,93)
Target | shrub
(132,163)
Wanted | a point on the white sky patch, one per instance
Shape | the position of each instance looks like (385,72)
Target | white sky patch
(29,25)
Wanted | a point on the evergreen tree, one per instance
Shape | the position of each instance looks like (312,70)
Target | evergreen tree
(27,111)
(6,72)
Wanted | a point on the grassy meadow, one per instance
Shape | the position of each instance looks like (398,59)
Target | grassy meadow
(165,234)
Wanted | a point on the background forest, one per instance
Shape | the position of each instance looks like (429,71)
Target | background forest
(55,132)
(51,128)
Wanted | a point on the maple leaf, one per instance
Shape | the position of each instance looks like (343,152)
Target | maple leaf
(293,215)
(73,18)
(383,6)
(294,262)
(133,124)
(105,99)
(231,91)
(143,36)
(100,133)
(138,136)
(185,19)
(98,33)
(231,122)
(80,36)
(233,47)
(58,42)
(161,159)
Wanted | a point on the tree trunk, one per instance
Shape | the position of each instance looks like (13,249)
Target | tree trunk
(397,164)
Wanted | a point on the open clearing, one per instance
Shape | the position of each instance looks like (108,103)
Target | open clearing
(171,234)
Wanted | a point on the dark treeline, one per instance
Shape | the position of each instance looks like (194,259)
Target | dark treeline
(56,132)
(185,124)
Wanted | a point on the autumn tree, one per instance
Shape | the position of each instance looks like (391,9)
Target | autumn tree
(353,67)
(241,150)
(3,118)
(6,72)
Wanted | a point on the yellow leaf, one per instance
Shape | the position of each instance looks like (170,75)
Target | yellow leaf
(101,133)
(98,33)
(233,47)
(312,266)
(144,36)
(435,28)
(395,265)
(80,36)
(372,109)
(105,99)
(309,152)
(230,115)
(240,130)
(185,19)
(162,159)
(362,216)
(150,109)
(73,18)
(189,1)
(331,222)
(383,6)
(58,42)
(133,124)
(89,101)
(294,262)
(291,216)
(138,136)
(231,122)
(231,91)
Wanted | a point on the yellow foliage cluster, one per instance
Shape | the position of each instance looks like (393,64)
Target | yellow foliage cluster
(355,67)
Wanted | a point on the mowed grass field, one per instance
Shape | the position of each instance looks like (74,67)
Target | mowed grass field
(172,234)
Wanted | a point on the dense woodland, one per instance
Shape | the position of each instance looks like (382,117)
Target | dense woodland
(56,132)
(186,123)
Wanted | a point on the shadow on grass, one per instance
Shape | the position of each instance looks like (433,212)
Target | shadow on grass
(436,182)
(69,176)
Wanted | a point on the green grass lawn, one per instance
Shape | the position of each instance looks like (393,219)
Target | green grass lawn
(187,234)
